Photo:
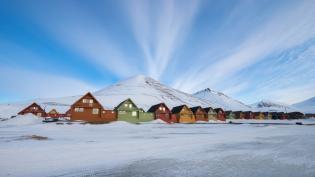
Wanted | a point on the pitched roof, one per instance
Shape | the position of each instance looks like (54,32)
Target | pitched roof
(177,109)
(128,99)
(207,109)
(195,109)
(31,105)
(155,107)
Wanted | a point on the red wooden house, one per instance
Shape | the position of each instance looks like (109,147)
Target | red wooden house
(35,109)
(200,113)
(220,114)
(53,114)
(161,111)
(248,115)
(88,109)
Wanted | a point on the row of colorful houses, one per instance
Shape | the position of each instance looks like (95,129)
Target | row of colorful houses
(89,109)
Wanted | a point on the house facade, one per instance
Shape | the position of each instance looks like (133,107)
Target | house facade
(248,115)
(35,109)
(239,115)
(220,114)
(199,113)
(88,109)
(161,111)
(211,113)
(129,112)
(229,115)
(182,114)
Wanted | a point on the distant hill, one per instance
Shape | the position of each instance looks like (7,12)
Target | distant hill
(307,106)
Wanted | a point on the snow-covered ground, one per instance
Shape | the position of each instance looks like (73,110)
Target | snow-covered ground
(31,148)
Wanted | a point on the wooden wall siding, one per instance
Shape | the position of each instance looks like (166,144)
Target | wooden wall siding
(161,111)
(230,115)
(86,113)
(128,111)
(200,114)
(258,115)
(267,115)
(53,114)
(220,114)
(146,116)
(239,115)
(35,109)
(185,115)
(248,115)
(211,113)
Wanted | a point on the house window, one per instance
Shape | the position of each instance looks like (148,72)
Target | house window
(130,105)
(39,114)
(163,109)
(160,108)
(78,109)
(122,112)
(91,101)
(34,108)
(133,113)
(95,111)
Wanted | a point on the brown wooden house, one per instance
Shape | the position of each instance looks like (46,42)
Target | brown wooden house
(35,109)
(161,111)
(88,109)
(239,115)
(182,114)
(199,113)
(220,114)
(248,115)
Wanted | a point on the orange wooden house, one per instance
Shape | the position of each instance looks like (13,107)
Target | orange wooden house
(35,109)
(88,109)
(182,114)
(199,113)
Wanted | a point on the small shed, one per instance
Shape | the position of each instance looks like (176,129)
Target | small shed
(161,111)
(183,114)
(53,114)
(211,113)
(220,114)
(199,113)
(35,109)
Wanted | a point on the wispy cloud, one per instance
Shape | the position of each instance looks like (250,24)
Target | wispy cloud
(33,84)
(78,30)
(159,40)
(285,29)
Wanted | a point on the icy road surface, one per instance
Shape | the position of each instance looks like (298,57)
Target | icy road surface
(30,148)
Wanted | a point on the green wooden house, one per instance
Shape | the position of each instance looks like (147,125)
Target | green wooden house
(229,115)
(129,112)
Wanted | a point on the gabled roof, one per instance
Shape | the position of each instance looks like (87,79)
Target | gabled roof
(155,107)
(177,109)
(32,105)
(195,109)
(128,99)
(90,94)
(218,109)
(207,109)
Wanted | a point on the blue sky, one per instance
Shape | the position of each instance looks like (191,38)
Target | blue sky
(250,50)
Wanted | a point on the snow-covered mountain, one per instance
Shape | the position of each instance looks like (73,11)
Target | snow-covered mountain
(273,106)
(222,100)
(145,92)
(307,106)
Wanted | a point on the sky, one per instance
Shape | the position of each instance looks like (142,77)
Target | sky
(249,50)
